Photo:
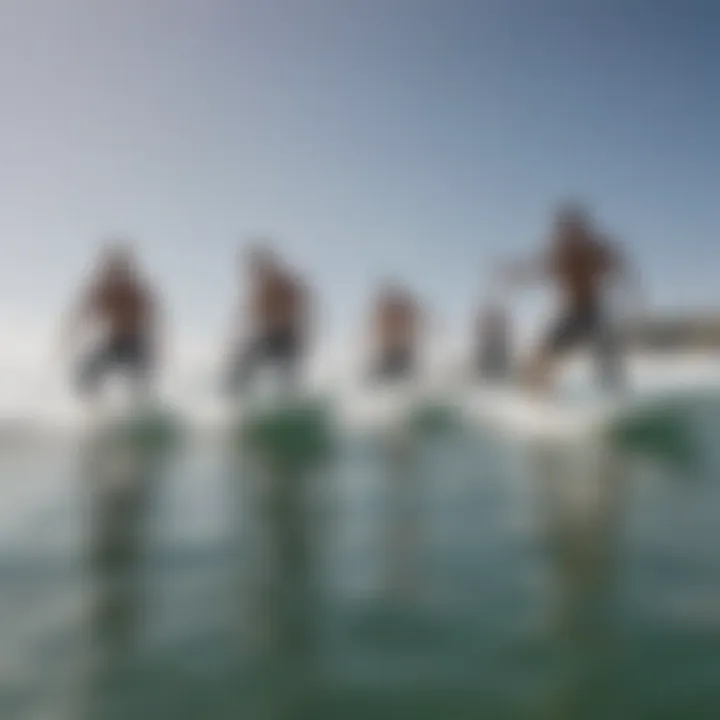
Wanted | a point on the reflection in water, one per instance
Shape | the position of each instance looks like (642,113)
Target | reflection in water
(581,502)
(280,560)
(121,477)
(277,531)
(403,517)
(448,553)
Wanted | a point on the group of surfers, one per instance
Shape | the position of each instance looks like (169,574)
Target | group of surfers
(274,319)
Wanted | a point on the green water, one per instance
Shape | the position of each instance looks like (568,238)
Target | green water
(449,580)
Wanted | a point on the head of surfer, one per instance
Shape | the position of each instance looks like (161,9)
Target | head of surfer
(573,226)
(392,292)
(261,263)
(117,264)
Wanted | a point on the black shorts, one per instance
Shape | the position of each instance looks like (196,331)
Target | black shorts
(128,354)
(593,327)
(394,364)
(281,348)
(277,345)
(576,327)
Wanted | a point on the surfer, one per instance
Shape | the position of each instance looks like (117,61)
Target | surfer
(579,262)
(125,305)
(395,329)
(276,318)
(493,351)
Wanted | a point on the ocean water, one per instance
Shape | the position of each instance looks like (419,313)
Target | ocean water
(451,577)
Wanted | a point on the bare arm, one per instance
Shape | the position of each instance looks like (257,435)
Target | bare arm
(156,325)
(308,314)
(626,276)
(371,327)
(80,311)
(427,323)
(238,324)
(530,271)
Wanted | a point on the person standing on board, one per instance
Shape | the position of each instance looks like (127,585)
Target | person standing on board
(126,307)
(274,319)
(396,321)
(580,262)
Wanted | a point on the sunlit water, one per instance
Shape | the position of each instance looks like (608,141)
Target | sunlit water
(458,583)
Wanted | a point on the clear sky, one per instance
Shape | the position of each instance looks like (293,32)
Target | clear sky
(416,138)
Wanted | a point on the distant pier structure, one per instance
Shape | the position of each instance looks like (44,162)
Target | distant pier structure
(675,333)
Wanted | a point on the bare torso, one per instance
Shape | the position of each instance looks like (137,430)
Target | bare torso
(396,322)
(279,304)
(580,266)
(124,307)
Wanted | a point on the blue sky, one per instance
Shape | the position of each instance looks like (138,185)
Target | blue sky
(414,138)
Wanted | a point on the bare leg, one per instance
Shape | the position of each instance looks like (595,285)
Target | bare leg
(289,376)
(89,376)
(563,336)
(143,389)
(242,368)
(140,364)
(609,360)
(537,376)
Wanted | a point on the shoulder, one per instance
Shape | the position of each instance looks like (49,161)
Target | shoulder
(550,256)
(95,294)
(297,284)
(606,246)
(147,294)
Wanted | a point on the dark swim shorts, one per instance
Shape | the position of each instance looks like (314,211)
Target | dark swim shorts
(589,325)
(577,327)
(282,348)
(396,364)
(128,354)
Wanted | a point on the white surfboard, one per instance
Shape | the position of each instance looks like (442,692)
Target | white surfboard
(663,424)
(521,415)
(388,408)
(361,410)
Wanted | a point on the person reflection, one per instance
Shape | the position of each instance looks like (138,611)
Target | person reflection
(582,512)
(276,536)
(120,482)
